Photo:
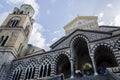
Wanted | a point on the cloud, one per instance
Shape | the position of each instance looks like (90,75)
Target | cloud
(109,5)
(53,1)
(100,15)
(48,12)
(56,32)
(1,6)
(54,39)
(37,38)
(3,16)
(48,44)
(33,3)
(111,23)
(117,20)
(101,23)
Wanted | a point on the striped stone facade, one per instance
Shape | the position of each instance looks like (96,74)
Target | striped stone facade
(82,50)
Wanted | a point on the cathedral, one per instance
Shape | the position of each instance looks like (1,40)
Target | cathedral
(87,51)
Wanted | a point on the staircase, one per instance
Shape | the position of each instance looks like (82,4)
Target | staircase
(107,76)
(115,70)
(99,77)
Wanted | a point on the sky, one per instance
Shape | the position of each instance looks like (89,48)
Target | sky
(52,15)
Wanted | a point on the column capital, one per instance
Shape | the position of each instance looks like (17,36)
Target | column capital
(71,58)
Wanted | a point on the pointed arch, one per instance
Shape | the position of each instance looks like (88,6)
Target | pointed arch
(14,21)
(40,71)
(62,64)
(45,67)
(80,53)
(104,56)
(30,69)
(16,73)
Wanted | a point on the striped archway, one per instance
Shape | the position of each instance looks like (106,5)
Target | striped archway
(80,53)
(45,66)
(104,56)
(117,50)
(16,73)
(17,70)
(62,64)
(29,72)
(30,69)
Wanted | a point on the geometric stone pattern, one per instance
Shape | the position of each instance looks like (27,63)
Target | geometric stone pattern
(60,59)
(51,57)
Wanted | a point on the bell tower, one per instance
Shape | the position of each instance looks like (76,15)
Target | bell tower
(15,32)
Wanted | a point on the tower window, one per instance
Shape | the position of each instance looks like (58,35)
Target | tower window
(14,21)
(21,12)
(79,23)
(28,12)
(27,30)
(1,39)
(4,41)
(20,49)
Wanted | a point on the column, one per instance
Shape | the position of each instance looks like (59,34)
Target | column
(23,74)
(14,75)
(72,68)
(47,70)
(17,74)
(32,73)
(94,66)
(53,69)
(36,75)
(40,71)
(72,63)
(43,70)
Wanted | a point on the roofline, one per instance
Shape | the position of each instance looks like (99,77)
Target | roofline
(109,26)
(53,45)
(39,54)
(80,17)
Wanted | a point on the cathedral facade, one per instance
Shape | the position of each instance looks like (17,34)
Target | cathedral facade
(85,49)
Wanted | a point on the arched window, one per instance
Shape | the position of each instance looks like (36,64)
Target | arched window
(29,74)
(20,49)
(27,30)
(63,66)
(81,55)
(26,74)
(16,74)
(30,71)
(104,58)
(1,39)
(33,72)
(49,70)
(21,12)
(20,72)
(40,71)
(14,21)
(4,40)
(45,69)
